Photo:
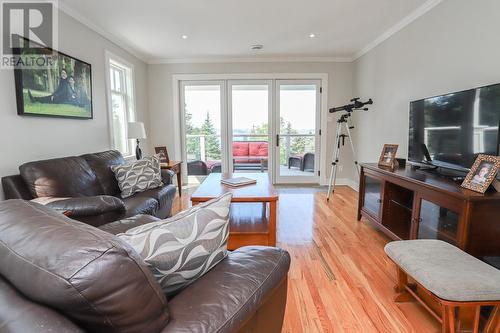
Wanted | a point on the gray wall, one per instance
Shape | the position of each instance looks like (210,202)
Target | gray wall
(340,86)
(451,48)
(26,139)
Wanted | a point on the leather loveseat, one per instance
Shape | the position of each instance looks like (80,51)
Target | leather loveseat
(91,184)
(61,275)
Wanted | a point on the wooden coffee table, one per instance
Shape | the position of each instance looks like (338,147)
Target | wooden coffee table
(244,230)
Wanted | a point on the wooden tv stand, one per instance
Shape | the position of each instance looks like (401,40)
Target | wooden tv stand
(416,204)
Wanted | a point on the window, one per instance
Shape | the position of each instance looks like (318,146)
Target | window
(121,102)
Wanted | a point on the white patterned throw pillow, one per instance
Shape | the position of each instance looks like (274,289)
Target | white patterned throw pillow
(183,248)
(138,176)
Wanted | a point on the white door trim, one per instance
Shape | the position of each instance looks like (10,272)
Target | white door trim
(179,130)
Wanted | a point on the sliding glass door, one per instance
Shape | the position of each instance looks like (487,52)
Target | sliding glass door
(248,111)
(297,127)
(204,128)
(247,126)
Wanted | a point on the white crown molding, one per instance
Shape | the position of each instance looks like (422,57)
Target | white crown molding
(127,46)
(424,8)
(96,28)
(159,61)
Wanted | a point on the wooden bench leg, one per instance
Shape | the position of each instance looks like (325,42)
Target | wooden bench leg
(477,317)
(445,326)
(403,295)
(448,319)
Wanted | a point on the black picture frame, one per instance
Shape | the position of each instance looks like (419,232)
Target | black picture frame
(20,87)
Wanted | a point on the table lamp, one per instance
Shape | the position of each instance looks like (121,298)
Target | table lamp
(136,131)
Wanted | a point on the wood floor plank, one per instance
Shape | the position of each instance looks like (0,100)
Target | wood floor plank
(340,279)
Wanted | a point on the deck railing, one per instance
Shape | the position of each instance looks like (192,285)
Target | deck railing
(290,144)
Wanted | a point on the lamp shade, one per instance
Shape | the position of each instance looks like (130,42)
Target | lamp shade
(136,130)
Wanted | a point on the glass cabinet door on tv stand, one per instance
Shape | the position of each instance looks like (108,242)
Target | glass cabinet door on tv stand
(434,221)
(372,199)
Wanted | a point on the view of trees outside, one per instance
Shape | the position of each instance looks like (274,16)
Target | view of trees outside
(298,144)
(250,119)
(206,132)
(213,150)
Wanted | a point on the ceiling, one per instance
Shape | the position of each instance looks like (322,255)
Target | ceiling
(225,29)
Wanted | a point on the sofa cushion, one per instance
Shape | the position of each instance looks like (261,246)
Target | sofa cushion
(86,273)
(60,177)
(138,176)
(179,250)
(257,149)
(227,296)
(240,148)
(101,165)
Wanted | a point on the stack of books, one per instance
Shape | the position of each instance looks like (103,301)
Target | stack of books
(238,181)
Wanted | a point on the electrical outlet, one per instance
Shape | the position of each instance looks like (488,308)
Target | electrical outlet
(341,167)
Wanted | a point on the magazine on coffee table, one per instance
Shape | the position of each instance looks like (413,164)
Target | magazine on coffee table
(238,181)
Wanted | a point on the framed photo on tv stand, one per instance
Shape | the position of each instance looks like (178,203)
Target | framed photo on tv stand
(482,173)
(388,156)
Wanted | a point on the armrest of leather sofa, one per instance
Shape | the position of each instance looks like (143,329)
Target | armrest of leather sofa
(88,206)
(166,176)
(14,187)
(233,295)
(125,224)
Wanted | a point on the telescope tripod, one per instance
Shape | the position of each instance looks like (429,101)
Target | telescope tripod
(340,139)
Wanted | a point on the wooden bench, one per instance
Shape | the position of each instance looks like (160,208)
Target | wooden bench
(458,282)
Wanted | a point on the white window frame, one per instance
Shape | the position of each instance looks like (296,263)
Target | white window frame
(113,60)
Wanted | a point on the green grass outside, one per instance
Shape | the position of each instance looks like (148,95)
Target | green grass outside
(67,110)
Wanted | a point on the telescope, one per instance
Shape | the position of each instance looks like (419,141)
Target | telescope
(355,105)
(343,120)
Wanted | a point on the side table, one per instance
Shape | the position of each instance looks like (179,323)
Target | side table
(175,167)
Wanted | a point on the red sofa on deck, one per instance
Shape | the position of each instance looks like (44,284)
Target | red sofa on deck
(250,155)
(247,155)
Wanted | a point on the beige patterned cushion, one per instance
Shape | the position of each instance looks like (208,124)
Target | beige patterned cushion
(183,248)
(138,176)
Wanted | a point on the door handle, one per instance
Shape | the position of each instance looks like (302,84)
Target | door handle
(277,140)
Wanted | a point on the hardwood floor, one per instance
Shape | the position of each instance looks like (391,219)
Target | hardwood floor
(340,279)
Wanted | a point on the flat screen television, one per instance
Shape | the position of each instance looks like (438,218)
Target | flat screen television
(449,131)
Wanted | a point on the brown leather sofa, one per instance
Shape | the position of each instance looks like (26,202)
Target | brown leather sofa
(60,275)
(91,184)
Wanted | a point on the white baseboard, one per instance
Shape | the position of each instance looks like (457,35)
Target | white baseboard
(347,182)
